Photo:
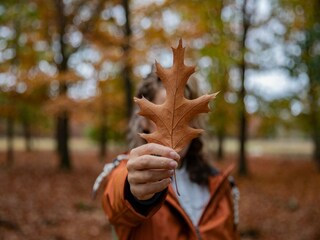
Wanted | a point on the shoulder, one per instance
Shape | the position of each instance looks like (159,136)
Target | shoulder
(224,179)
(231,189)
(223,174)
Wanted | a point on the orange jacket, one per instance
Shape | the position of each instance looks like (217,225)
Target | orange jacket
(167,219)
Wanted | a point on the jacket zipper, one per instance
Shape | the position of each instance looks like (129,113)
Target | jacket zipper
(198,233)
(196,228)
(185,216)
(210,200)
(204,210)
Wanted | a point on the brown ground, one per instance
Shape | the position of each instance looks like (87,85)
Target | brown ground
(279,200)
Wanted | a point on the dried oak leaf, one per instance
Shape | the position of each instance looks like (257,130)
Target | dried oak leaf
(173,117)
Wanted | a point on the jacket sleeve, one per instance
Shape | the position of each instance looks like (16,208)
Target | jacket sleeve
(117,204)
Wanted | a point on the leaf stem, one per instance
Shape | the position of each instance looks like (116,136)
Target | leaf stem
(175,182)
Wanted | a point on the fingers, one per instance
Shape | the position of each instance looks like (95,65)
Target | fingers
(150,162)
(146,191)
(149,176)
(150,167)
(155,149)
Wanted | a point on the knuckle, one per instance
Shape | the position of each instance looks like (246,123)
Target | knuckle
(129,164)
(133,152)
(165,182)
(164,162)
(144,161)
(130,178)
(153,145)
(149,147)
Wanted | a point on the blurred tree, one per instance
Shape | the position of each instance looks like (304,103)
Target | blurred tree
(126,46)
(220,49)
(246,21)
(303,41)
(256,32)
(112,35)
(64,25)
(8,111)
(17,31)
(62,127)
(107,109)
(224,39)
(30,103)
(12,23)
(216,59)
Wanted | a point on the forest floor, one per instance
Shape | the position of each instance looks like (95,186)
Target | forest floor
(280,198)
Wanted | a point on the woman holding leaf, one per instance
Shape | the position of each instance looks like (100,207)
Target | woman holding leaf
(139,200)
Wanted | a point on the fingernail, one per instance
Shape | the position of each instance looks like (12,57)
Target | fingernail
(173,164)
(174,155)
(171,172)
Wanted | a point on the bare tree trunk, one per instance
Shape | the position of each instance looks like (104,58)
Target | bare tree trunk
(242,109)
(62,133)
(126,72)
(62,121)
(316,138)
(317,149)
(14,68)
(221,131)
(63,139)
(314,95)
(314,119)
(103,142)
(103,129)
(10,127)
(220,151)
(27,135)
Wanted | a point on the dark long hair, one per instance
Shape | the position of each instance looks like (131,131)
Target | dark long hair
(196,165)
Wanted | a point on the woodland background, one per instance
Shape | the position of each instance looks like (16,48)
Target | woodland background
(68,73)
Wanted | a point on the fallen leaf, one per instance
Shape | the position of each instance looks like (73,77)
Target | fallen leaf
(173,117)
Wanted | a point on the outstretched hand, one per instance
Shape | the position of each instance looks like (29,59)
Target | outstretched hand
(150,168)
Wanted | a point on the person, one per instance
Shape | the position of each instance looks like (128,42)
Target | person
(140,198)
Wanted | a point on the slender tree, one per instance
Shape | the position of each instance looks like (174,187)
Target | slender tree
(67,19)
(10,129)
(306,23)
(242,108)
(13,69)
(127,68)
(312,58)
(103,118)
(219,50)
(62,121)
(20,18)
